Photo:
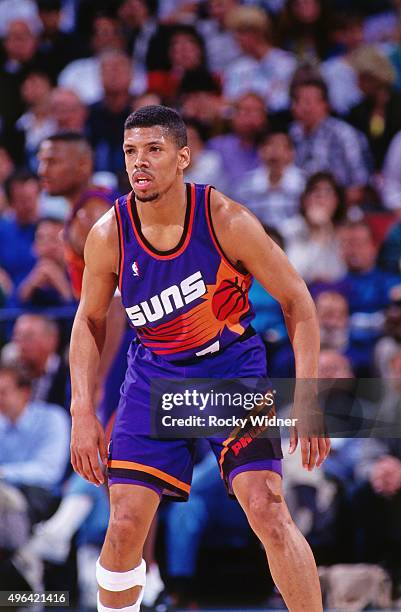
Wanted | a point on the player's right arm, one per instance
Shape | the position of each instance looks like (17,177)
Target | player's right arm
(87,339)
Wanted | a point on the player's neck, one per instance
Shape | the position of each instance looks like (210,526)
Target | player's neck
(169,209)
(75,194)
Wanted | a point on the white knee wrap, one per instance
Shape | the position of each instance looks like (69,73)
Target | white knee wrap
(121,581)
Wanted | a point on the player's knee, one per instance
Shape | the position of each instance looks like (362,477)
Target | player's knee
(126,530)
(268,521)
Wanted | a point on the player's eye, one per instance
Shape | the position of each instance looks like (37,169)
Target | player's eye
(129,151)
(155,148)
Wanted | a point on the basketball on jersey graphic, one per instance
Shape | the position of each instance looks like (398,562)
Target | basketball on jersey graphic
(230,297)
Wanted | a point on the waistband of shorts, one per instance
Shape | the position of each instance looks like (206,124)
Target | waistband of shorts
(248,333)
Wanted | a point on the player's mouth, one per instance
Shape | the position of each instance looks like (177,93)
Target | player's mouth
(142,181)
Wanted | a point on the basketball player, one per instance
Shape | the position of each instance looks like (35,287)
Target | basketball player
(171,248)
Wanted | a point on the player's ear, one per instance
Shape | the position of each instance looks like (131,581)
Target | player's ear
(184,158)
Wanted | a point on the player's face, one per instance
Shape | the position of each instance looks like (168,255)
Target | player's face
(58,167)
(153,162)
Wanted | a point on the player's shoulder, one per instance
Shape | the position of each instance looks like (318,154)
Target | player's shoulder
(101,245)
(229,215)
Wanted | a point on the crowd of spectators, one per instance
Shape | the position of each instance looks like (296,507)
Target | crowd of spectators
(293,108)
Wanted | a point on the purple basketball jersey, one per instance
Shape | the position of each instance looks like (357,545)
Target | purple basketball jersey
(188,301)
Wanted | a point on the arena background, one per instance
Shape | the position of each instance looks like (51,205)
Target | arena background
(293,108)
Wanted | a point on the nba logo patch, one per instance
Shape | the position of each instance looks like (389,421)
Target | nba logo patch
(135,269)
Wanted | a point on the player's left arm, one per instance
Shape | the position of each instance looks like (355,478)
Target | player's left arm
(246,244)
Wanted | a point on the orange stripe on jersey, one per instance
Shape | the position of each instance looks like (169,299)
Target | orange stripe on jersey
(121,243)
(131,465)
(188,233)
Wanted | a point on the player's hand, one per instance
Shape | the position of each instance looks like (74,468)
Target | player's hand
(313,450)
(87,439)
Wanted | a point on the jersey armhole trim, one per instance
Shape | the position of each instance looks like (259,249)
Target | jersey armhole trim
(214,236)
(120,243)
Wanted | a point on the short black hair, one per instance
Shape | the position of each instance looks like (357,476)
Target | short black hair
(158,115)
(310,81)
(67,136)
(21,175)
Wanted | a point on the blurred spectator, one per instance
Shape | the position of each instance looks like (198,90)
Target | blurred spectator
(146,99)
(138,18)
(36,123)
(84,75)
(305,28)
(18,228)
(312,244)
(6,170)
(390,250)
(105,124)
(69,111)
(65,168)
(272,190)
(390,343)
(185,52)
(205,166)
(56,48)
(200,99)
(365,286)
(378,115)
(221,46)
(391,188)
(325,143)
(20,45)
(239,148)
(26,10)
(36,340)
(336,334)
(34,444)
(48,283)
(338,72)
(262,68)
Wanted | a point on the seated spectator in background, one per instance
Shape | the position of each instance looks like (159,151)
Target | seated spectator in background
(272,190)
(391,186)
(200,98)
(20,46)
(185,52)
(206,166)
(390,344)
(48,283)
(389,258)
(305,27)
(336,333)
(18,228)
(239,148)
(84,75)
(6,169)
(378,115)
(56,48)
(37,122)
(221,46)
(84,512)
(105,124)
(35,342)
(139,21)
(365,286)
(339,74)
(34,444)
(146,99)
(312,244)
(262,68)
(69,112)
(323,143)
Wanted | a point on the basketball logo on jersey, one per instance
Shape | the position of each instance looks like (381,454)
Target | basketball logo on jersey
(135,269)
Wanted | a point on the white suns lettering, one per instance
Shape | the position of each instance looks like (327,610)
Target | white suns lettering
(170,299)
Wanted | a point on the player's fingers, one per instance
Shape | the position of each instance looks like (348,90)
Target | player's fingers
(313,453)
(78,464)
(96,470)
(305,452)
(293,440)
(328,446)
(87,469)
(324,449)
